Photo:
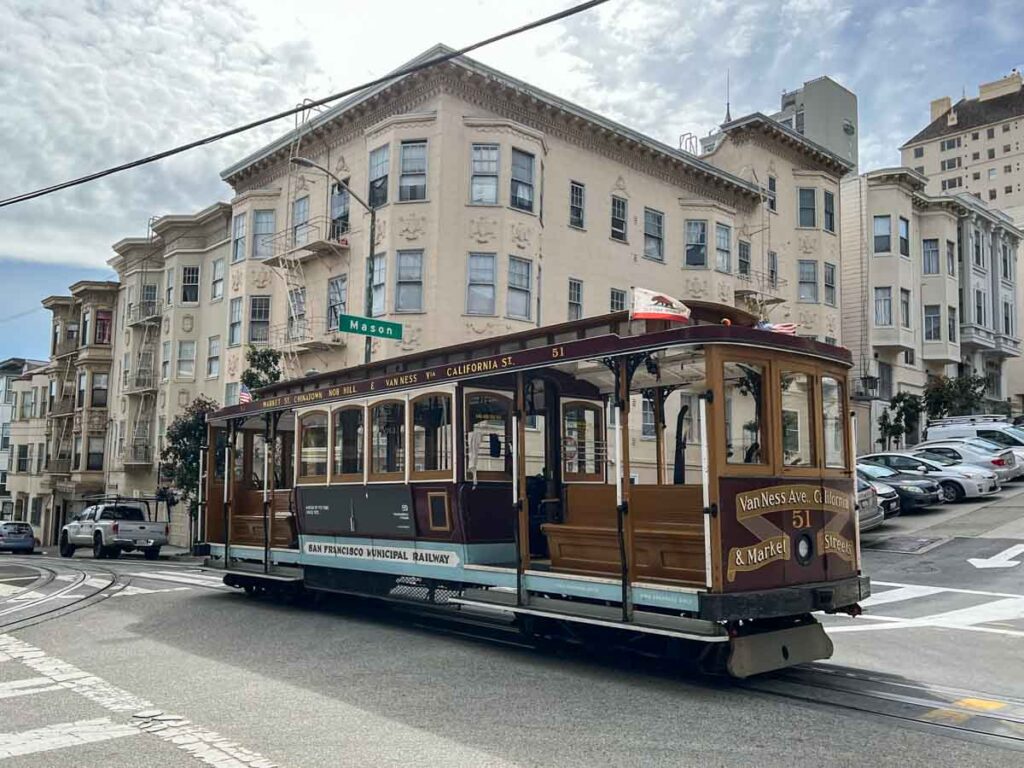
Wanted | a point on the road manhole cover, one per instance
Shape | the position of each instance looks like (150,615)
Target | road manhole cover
(906,545)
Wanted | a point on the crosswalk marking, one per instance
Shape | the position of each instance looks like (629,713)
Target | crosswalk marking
(899,594)
(9,589)
(132,590)
(27,686)
(63,735)
(197,580)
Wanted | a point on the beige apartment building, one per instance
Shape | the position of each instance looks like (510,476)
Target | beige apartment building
(78,393)
(171,324)
(28,480)
(11,370)
(500,206)
(930,289)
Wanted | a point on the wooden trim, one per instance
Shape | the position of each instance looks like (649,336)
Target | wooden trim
(447,511)
(720,464)
(429,474)
(813,469)
(385,477)
(523,516)
(349,477)
(659,435)
(599,424)
(844,403)
(627,523)
(300,428)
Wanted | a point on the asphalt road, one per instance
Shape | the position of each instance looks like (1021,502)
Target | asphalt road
(163,666)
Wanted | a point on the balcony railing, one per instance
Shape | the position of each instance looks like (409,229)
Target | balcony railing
(63,407)
(144,312)
(319,235)
(59,466)
(138,454)
(141,381)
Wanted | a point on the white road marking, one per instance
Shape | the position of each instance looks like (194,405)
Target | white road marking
(132,590)
(27,686)
(1002,560)
(63,735)
(194,580)
(7,589)
(206,746)
(948,589)
(899,594)
(20,578)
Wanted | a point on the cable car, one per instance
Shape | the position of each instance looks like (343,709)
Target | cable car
(684,483)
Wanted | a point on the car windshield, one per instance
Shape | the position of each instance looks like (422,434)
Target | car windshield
(936,459)
(875,472)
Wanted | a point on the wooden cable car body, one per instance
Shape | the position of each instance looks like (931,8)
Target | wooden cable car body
(687,481)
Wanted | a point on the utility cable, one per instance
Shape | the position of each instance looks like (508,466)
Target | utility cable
(576,9)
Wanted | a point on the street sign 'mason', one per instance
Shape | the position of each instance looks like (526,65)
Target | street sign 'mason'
(368,326)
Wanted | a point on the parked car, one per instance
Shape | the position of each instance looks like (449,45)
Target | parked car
(992,427)
(977,452)
(914,492)
(111,529)
(869,514)
(888,498)
(17,537)
(985,444)
(957,481)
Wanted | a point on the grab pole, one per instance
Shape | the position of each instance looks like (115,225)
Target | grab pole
(705,479)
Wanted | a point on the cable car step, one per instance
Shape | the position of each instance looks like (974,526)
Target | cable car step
(590,613)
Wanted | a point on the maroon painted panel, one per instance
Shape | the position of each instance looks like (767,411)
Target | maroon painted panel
(762,520)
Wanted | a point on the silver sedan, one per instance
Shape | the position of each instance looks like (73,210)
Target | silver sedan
(958,481)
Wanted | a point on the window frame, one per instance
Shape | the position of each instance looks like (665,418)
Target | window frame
(886,301)
(217,282)
(410,434)
(830,285)
(800,208)
(300,424)
(470,282)
(528,290)
(407,281)
(233,325)
(925,252)
(801,282)
(515,200)
(620,234)
(875,220)
(904,224)
(380,181)
(723,256)
(238,237)
(335,308)
(654,234)
(379,287)
(262,242)
(347,478)
(828,211)
(484,475)
(475,174)
(577,221)
(211,357)
(178,374)
(396,475)
(403,173)
(906,308)
(260,322)
(193,285)
(699,246)
(575,282)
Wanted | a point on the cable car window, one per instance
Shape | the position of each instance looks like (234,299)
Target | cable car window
(349,445)
(432,435)
(745,407)
(583,445)
(313,448)
(835,424)
(797,428)
(488,436)
(259,449)
(387,448)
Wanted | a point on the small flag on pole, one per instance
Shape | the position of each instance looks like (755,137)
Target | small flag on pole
(652,305)
(244,395)
(787,328)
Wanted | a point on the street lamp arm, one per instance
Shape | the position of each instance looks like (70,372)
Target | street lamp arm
(307,163)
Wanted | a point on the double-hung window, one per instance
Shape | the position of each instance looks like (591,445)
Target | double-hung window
(951,321)
(213,356)
(773,269)
(577,201)
(1008,318)
(930,257)
(883,306)
(654,234)
(340,205)
(217,281)
(238,238)
(904,237)
(186,359)
(380,160)
(169,282)
(772,194)
(235,322)
(263,223)
(409,282)
(165,361)
(979,307)
(378,285)
(337,301)
(1007,262)
(190,285)
(808,280)
(904,307)
(696,243)
(259,320)
(723,247)
(480,281)
(932,322)
(619,224)
(484,174)
(743,260)
(830,284)
(100,385)
(575,299)
(522,180)
(951,258)
(300,221)
(976,240)
(520,273)
(830,211)
(297,313)
(882,234)
(104,326)
(807,201)
(618,300)
(412,183)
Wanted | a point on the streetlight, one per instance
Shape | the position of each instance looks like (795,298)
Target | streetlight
(305,162)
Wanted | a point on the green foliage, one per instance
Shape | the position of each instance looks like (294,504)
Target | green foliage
(960,396)
(180,457)
(906,414)
(891,429)
(264,368)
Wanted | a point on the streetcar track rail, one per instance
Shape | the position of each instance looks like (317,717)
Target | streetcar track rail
(113,584)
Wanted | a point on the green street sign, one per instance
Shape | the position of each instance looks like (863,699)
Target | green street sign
(368,326)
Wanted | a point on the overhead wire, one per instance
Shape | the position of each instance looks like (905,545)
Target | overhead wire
(307,105)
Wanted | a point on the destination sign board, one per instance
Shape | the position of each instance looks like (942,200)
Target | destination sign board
(369,326)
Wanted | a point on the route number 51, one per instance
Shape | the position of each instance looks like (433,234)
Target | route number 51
(802,518)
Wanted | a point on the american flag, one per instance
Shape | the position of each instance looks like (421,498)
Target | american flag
(787,328)
(244,395)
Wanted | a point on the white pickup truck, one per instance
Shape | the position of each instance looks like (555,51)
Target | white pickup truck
(111,529)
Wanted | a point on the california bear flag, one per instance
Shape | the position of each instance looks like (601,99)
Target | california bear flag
(652,305)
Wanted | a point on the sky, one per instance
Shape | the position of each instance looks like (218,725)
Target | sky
(89,83)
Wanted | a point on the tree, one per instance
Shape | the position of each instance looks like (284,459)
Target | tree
(180,458)
(264,367)
(890,428)
(906,412)
(960,396)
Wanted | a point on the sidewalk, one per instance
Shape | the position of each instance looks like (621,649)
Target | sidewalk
(167,553)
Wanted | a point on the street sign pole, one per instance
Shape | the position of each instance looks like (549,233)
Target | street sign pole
(369,280)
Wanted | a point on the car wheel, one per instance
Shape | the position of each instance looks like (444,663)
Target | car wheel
(952,491)
(66,548)
(153,553)
(98,550)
